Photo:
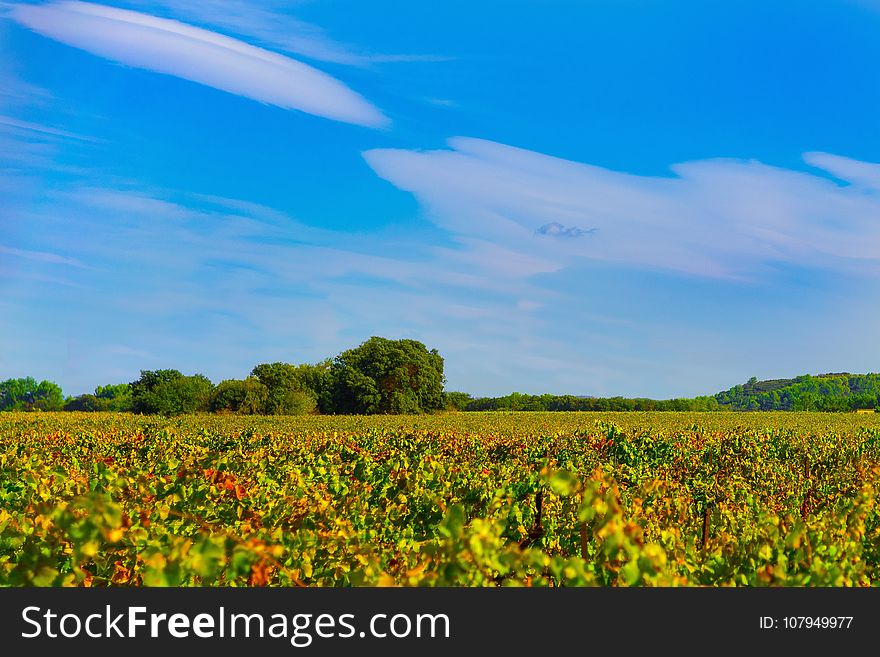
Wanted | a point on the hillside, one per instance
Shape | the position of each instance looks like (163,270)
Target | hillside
(824,392)
(840,391)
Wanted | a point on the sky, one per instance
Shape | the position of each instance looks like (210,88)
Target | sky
(636,198)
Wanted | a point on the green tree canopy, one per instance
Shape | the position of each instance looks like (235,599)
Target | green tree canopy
(114,397)
(89,403)
(168,392)
(387,376)
(236,396)
(25,394)
(457,401)
(287,395)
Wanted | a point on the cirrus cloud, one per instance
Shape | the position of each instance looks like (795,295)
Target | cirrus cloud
(267,23)
(192,53)
(718,218)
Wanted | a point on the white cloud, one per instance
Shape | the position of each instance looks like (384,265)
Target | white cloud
(217,285)
(717,218)
(198,55)
(266,22)
(862,174)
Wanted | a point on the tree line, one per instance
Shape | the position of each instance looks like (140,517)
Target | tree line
(404,376)
(520,402)
(378,376)
(825,392)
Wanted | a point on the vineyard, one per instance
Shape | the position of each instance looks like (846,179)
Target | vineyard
(476,499)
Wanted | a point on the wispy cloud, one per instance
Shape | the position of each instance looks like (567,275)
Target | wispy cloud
(188,52)
(42,256)
(32,145)
(217,285)
(271,26)
(238,277)
(716,218)
(27,126)
(15,92)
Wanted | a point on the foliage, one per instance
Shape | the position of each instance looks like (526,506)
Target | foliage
(248,397)
(168,392)
(315,380)
(517,401)
(286,393)
(106,398)
(826,392)
(401,376)
(386,376)
(500,499)
(116,397)
(457,401)
(26,394)
(83,403)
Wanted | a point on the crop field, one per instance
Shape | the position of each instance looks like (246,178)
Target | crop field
(458,499)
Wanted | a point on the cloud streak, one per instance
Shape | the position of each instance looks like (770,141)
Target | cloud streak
(715,218)
(217,285)
(239,278)
(27,126)
(208,58)
(41,256)
(275,29)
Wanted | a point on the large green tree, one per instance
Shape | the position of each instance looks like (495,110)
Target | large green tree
(386,376)
(114,397)
(168,392)
(456,401)
(236,396)
(26,394)
(287,394)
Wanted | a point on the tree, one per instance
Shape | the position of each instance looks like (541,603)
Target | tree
(48,397)
(387,376)
(87,403)
(457,401)
(236,396)
(287,395)
(26,394)
(315,379)
(168,392)
(114,397)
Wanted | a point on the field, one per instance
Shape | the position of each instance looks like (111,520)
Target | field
(469,499)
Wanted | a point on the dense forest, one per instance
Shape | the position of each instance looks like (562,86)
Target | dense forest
(403,376)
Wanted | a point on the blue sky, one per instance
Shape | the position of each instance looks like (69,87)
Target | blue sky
(639,198)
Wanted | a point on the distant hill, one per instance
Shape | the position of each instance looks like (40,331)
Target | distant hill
(839,391)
